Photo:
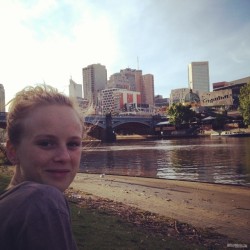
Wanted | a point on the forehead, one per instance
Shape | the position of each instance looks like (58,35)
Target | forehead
(52,118)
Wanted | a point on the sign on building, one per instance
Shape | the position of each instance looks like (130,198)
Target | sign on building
(217,98)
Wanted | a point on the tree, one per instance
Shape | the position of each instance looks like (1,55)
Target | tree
(244,99)
(180,114)
(219,122)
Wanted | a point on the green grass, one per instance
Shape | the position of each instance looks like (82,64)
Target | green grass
(4,181)
(94,229)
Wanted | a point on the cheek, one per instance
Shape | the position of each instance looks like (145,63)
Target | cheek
(76,157)
(33,160)
(25,151)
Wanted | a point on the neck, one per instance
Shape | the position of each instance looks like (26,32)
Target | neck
(16,179)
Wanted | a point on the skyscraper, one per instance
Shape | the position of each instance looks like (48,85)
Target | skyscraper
(118,80)
(198,76)
(133,80)
(75,90)
(94,80)
(2,98)
(148,89)
(130,76)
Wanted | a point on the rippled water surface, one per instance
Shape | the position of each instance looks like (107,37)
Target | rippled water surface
(207,159)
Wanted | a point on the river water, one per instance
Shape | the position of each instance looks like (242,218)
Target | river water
(204,159)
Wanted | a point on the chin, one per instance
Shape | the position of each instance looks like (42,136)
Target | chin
(62,186)
(59,185)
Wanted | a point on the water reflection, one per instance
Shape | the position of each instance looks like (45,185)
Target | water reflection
(216,160)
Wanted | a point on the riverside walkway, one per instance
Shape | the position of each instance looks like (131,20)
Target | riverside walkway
(224,209)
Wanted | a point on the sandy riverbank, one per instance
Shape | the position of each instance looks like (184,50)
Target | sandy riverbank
(224,209)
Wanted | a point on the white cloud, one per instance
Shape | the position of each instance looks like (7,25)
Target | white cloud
(53,40)
(55,58)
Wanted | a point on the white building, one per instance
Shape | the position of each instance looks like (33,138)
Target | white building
(2,98)
(94,80)
(178,95)
(75,90)
(115,100)
(217,98)
(198,76)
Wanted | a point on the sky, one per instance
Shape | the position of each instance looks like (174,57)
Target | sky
(50,41)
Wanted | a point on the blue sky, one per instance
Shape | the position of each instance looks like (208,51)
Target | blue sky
(50,41)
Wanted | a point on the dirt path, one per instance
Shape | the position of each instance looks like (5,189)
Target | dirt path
(223,208)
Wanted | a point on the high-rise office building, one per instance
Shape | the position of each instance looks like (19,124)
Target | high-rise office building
(130,79)
(130,76)
(75,90)
(94,80)
(133,80)
(2,98)
(198,76)
(118,80)
(148,92)
(139,81)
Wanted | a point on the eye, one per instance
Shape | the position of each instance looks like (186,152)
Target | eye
(46,143)
(74,144)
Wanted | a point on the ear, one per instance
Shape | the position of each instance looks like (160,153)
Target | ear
(11,153)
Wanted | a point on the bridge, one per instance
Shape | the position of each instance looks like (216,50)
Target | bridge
(105,127)
(100,120)
(102,127)
(3,120)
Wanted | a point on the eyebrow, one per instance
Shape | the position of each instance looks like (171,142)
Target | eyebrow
(41,136)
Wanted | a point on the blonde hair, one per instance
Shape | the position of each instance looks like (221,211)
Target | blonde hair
(27,100)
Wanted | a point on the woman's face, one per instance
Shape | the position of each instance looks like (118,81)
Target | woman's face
(49,151)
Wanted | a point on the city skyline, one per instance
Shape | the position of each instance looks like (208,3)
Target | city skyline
(50,41)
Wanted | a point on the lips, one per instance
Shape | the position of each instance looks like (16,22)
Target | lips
(58,173)
(57,170)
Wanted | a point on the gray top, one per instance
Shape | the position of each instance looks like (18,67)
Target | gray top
(35,217)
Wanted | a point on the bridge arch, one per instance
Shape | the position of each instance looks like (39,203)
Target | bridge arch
(138,128)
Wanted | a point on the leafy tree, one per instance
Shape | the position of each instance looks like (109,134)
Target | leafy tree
(244,99)
(180,114)
(219,122)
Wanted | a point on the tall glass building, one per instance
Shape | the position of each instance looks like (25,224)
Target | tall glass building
(94,80)
(75,90)
(198,76)
(2,98)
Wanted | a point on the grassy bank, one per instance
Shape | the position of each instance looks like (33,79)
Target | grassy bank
(96,229)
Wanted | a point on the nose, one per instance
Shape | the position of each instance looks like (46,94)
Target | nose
(62,154)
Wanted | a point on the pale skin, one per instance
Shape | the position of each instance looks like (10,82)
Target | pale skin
(49,151)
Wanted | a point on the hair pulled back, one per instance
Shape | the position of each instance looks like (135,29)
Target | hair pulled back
(29,99)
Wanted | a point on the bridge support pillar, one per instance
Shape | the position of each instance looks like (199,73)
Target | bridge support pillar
(108,133)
